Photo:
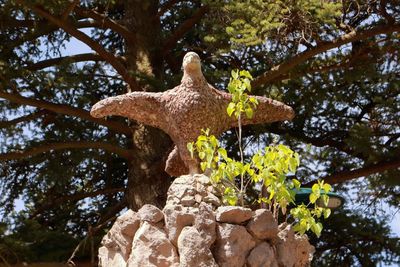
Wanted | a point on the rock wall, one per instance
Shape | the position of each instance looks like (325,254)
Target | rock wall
(194,230)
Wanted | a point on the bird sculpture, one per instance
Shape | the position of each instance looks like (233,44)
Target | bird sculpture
(183,111)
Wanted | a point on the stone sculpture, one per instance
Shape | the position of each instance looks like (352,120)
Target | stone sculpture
(186,109)
(193,231)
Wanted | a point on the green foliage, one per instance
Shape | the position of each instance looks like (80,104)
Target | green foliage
(268,169)
(305,215)
(240,82)
(252,22)
(353,238)
(31,242)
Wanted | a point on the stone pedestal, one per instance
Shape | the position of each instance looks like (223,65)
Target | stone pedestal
(194,229)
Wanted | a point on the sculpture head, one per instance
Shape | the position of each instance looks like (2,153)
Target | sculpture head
(191,63)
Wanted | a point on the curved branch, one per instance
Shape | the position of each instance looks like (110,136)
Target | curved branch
(7,23)
(69,9)
(344,176)
(56,61)
(286,66)
(50,203)
(35,115)
(66,110)
(83,195)
(106,22)
(315,141)
(17,155)
(67,27)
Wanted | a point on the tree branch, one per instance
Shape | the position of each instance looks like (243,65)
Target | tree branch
(107,22)
(66,110)
(344,176)
(183,29)
(35,115)
(7,23)
(50,203)
(67,27)
(315,141)
(79,196)
(17,155)
(72,59)
(286,66)
(69,9)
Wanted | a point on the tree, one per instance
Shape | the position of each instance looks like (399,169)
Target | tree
(334,62)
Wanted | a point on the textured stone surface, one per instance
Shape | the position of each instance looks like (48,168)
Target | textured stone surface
(212,199)
(193,250)
(263,225)
(191,190)
(150,213)
(293,250)
(177,217)
(110,257)
(262,256)
(205,224)
(186,109)
(233,214)
(232,245)
(151,248)
(119,238)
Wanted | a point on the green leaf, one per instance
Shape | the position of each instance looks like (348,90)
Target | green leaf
(231,108)
(315,189)
(245,73)
(247,84)
(292,165)
(235,74)
(230,196)
(327,213)
(249,113)
(296,183)
(253,100)
(190,148)
(327,188)
(203,166)
(222,152)
(317,229)
(202,155)
(313,198)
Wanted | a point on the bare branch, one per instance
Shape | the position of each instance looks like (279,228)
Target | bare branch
(72,59)
(107,22)
(344,176)
(69,28)
(30,117)
(49,202)
(286,66)
(184,28)
(17,155)
(66,110)
(69,9)
(7,23)
(315,141)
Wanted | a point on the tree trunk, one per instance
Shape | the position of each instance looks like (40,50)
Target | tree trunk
(147,182)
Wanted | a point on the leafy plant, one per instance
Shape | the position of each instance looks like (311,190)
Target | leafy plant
(266,170)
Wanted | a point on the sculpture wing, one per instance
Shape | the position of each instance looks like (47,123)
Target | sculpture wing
(143,107)
(267,111)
